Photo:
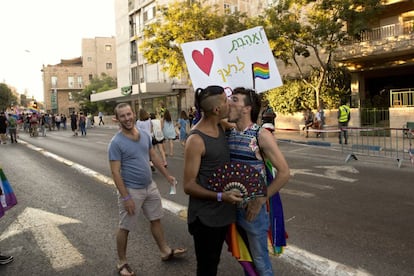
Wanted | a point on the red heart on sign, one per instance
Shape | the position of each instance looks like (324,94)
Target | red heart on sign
(204,60)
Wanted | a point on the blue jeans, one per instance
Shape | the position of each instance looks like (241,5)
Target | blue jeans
(256,232)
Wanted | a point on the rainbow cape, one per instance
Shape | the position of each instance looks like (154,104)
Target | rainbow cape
(7,197)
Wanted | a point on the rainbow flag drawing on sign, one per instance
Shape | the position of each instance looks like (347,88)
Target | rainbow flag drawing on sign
(261,70)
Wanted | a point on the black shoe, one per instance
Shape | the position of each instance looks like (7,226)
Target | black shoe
(5,259)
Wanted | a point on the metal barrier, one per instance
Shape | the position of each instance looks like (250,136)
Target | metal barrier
(381,142)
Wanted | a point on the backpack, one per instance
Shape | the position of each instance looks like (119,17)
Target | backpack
(12,122)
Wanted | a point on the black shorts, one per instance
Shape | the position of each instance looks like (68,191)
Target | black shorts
(155,141)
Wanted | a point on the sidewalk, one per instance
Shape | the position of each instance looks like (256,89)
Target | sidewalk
(327,139)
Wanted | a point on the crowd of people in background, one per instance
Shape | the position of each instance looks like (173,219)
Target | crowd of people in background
(39,123)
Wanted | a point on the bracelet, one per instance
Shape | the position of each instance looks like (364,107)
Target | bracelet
(128,197)
(219,196)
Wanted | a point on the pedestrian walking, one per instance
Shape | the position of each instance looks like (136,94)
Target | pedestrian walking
(82,123)
(3,127)
(169,132)
(129,152)
(183,124)
(74,123)
(100,115)
(12,127)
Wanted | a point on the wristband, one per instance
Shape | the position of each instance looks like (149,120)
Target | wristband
(219,196)
(128,197)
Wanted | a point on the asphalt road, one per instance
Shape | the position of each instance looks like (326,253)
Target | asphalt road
(342,218)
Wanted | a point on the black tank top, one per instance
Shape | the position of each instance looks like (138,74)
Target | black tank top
(211,213)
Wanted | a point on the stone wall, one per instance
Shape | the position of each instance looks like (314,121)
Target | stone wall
(399,116)
(293,121)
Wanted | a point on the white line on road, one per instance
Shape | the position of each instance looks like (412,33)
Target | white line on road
(319,265)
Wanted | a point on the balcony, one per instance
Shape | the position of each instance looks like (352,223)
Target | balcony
(390,41)
(402,97)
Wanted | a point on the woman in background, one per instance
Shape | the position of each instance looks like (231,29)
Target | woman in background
(182,125)
(169,132)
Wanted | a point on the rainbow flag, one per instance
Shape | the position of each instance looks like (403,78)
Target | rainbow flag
(7,197)
(261,70)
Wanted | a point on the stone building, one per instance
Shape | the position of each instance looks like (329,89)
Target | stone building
(70,76)
(381,63)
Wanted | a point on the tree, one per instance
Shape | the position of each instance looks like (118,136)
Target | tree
(6,97)
(182,22)
(97,85)
(308,28)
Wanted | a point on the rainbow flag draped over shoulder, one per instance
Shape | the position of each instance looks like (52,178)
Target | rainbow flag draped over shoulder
(277,235)
(261,70)
(7,197)
(277,232)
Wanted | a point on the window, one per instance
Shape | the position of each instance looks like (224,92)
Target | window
(80,82)
(108,48)
(228,8)
(108,65)
(70,96)
(54,81)
(90,76)
(71,82)
(89,59)
(149,12)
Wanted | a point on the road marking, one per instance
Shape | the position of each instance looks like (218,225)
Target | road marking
(296,193)
(44,227)
(298,257)
(332,172)
(312,185)
(319,265)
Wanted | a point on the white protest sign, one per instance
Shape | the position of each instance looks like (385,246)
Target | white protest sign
(240,59)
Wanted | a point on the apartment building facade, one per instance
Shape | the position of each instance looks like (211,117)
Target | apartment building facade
(381,63)
(151,86)
(70,76)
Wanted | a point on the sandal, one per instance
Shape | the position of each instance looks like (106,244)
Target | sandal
(122,268)
(177,252)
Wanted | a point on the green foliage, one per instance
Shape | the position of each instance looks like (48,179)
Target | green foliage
(97,85)
(316,29)
(182,22)
(291,97)
(295,29)
(6,97)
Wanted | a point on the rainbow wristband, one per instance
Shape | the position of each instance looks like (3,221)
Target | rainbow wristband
(128,197)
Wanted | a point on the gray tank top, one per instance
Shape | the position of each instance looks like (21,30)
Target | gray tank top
(211,213)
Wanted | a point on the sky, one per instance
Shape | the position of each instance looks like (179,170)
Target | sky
(44,32)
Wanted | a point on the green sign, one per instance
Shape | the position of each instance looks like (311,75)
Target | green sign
(126,90)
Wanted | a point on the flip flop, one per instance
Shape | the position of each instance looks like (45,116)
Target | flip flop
(127,268)
(177,252)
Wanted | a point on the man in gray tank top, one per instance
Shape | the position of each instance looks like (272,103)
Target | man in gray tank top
(209,213)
